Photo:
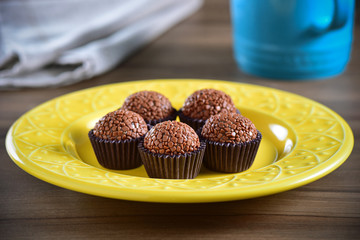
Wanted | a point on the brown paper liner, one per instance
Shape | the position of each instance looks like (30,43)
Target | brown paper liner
(116,154)
(192,122)
(230,158)
(185,166)
(172,116)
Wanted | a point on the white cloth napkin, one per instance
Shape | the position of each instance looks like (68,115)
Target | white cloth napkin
(52,42)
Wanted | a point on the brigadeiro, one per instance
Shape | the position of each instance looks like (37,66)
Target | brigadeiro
(115,138)
(232,141)
(172,150)
(152,106)
(202,104)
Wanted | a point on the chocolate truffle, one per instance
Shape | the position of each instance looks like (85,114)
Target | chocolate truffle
(207,102)
(229,128)
(204,103)
(115,138)
(232,142)
(120,125)
(171,138)
(152,106)
(172,150)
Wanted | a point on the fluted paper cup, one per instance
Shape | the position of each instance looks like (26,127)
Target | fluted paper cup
(184,166)
(230,158)
(116,154)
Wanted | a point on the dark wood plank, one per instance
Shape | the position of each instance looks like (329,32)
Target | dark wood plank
(186,227)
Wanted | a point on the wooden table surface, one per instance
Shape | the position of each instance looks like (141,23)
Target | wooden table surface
(199,47)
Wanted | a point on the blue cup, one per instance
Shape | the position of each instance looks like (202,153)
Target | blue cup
(292,39)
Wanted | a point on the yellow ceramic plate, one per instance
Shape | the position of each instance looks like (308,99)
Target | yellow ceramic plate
(302,141)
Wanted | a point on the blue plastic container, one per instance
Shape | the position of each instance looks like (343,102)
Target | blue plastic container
(292,39)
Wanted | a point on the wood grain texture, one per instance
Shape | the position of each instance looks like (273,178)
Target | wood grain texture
(199,47)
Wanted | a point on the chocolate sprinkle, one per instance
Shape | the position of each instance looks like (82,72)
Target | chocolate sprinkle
(149,104)
(229,128)
(120,125)
(171,138)
(207,102)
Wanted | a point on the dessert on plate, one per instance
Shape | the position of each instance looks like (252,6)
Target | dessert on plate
(172,150)
(204,103)
(232,141)
(115,138)
(152,106)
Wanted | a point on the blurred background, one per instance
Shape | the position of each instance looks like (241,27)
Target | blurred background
(51,43)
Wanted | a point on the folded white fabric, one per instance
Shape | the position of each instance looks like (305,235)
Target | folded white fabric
(52,43)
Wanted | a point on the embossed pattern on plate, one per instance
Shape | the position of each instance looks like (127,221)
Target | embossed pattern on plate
(324,141)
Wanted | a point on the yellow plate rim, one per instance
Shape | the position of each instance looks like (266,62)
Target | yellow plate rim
(187,196)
